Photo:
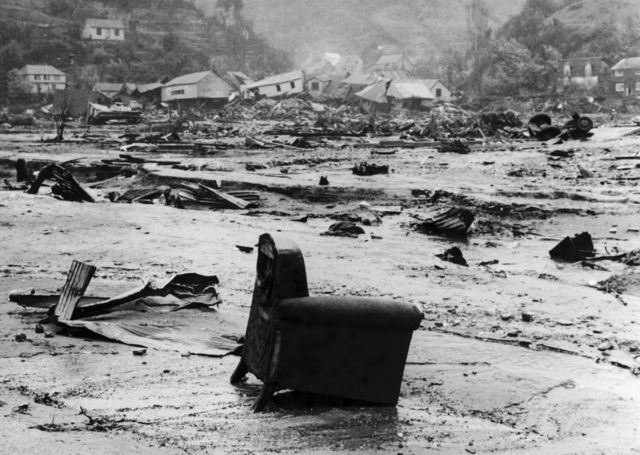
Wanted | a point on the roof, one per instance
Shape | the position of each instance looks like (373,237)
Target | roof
(403,90)
(188,79)
(278,79)
(107,87)
(40,69)
(105,23)
(381,91)
(395,75)
(360,79)
(144,88)
(627,64)
(375,92)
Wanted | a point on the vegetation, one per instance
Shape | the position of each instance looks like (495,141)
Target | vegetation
(159,45)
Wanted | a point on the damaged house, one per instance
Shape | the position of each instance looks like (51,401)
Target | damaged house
(279,85)
(196,89)
(387,94)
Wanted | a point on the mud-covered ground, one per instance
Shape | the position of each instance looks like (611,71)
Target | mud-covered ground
(479,379)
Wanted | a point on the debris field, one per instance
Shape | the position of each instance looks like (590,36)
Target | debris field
(129,269)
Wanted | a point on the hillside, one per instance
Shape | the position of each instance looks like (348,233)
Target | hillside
(165,38)
(424,28)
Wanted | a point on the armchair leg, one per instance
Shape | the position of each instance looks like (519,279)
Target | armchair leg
(268,389)
(240,372)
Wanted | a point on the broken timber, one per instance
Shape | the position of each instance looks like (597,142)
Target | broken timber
(78,279)
(66,186)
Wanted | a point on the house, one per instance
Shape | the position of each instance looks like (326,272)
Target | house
(238,80)
(407,94)
(103,30)
(316,85)
(587,72)
(196,89)
(43,78)
(108,89)
(626,77)
(359,80)
(279,85)
(438,89)
(393,62)
(149,93)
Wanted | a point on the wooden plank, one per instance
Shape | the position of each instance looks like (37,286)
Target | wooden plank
(232,200)
(78,279)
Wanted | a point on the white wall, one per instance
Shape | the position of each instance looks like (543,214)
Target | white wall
(49,85)
(107,34)
(285,89)
(190,92)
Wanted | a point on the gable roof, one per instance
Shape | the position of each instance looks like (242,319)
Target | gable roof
(188,79)
(403,90)
(40,69)
(144,88)
(105,23)
(360,79)
(627,64)
(107,87)
(381,91)
(277,79)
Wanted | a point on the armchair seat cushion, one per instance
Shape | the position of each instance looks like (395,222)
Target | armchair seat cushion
(349,311)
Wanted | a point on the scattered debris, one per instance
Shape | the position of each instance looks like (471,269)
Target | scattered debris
(344,229)
(526,316)
(452,221)
(245,249)
(366,169)
(66,186)
(453,255)
(454,147)
(574,249)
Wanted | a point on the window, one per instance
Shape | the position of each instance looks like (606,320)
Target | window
(618,73)
(567,70)
(98,31)
(619,87)
(177,92)
(116,32)
(587,70)
(278,89)
(315,86)
(36,77)
(438,93)
(293,84)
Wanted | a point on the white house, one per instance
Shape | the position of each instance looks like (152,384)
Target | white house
(43,78)
(438,89)
(196,88)
(103,30)
(281,84)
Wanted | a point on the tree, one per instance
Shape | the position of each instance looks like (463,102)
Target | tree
(479,37)
(511,68)
(18,87)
